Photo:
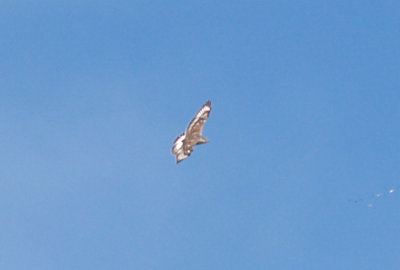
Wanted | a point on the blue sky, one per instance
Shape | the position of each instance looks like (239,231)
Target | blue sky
(305,118)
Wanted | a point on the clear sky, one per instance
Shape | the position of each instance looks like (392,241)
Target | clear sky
(305,120)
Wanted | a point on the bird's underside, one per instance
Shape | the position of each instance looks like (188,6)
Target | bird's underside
(184,143)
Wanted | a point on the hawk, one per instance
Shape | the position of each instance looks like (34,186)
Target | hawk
(184,144)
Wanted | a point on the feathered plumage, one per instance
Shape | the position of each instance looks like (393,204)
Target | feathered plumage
(184,143)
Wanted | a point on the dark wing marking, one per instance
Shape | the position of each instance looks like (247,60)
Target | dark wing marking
(197,123)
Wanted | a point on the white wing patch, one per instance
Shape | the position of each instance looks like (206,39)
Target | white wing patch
(177,149)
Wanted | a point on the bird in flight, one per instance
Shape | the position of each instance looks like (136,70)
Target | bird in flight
(184,143)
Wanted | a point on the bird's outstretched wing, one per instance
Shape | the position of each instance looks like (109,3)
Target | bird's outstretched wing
(197,123)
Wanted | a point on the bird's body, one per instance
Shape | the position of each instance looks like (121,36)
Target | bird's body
(184,143)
